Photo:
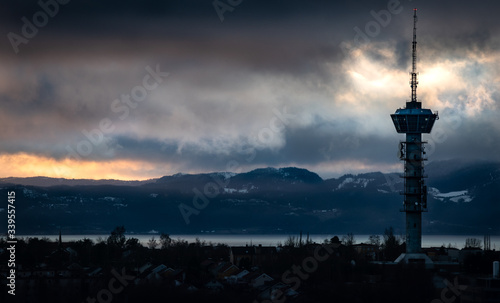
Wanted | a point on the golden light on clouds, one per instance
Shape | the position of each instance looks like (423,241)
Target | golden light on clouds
(374,79)
(27,165)
(459,83)
(439,78)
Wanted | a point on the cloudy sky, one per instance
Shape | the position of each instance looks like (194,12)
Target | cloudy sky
(142,89)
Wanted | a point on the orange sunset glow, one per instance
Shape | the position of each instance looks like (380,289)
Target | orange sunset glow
(25,165)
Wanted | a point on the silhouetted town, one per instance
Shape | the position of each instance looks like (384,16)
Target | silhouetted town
(120,269)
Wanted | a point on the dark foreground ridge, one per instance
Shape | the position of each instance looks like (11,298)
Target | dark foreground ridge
(119,269)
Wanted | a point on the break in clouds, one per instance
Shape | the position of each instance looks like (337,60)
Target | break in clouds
(271,85)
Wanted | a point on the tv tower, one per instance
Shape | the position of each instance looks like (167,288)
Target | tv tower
(413,120)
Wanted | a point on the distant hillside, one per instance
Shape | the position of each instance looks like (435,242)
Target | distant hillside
(463,199)
(46,181)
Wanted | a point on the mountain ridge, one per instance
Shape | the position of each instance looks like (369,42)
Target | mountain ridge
(265,200)
(44,181)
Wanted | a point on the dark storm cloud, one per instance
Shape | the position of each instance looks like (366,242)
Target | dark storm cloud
(303,146)
(228,77)
(461,137)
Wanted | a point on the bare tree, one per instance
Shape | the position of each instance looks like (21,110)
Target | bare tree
(117,237)
(348,240)
(391,245)
(472,243)
(390,240)
(374,240)
(291,241)
(152,243)
(165,241)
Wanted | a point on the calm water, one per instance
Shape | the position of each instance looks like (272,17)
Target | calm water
(272,240)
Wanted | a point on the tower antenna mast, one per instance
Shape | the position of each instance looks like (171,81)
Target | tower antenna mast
(413,121)
(413,73)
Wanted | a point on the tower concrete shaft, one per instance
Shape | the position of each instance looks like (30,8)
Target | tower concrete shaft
(413,121)
(414,191)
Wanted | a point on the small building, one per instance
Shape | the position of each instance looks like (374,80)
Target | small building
(226,270)
(466,252)
(214,286)
(237,277)
(261,280)
(247,256)
(278,292)
(242,255)
(366,251)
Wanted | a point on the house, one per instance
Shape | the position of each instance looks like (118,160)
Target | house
(72,253)
(95,272)
(207,264)
(44,273)
(261,280)
(214,286)
(227,270)
(144,267)
(366,251)
(150,274)
(191,288)
(485,289)
(237,278)
(223,270)
(277,292)
(177,275)
(74,270)
(242,256)
(248,256)
(453,253)
(264,254)
(464,253)
(442,254)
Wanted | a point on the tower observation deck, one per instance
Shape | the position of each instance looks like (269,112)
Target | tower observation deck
(413,120)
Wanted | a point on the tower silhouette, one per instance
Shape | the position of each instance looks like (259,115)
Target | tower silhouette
(413,120)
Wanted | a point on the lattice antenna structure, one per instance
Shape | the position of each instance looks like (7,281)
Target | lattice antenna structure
(413,120)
